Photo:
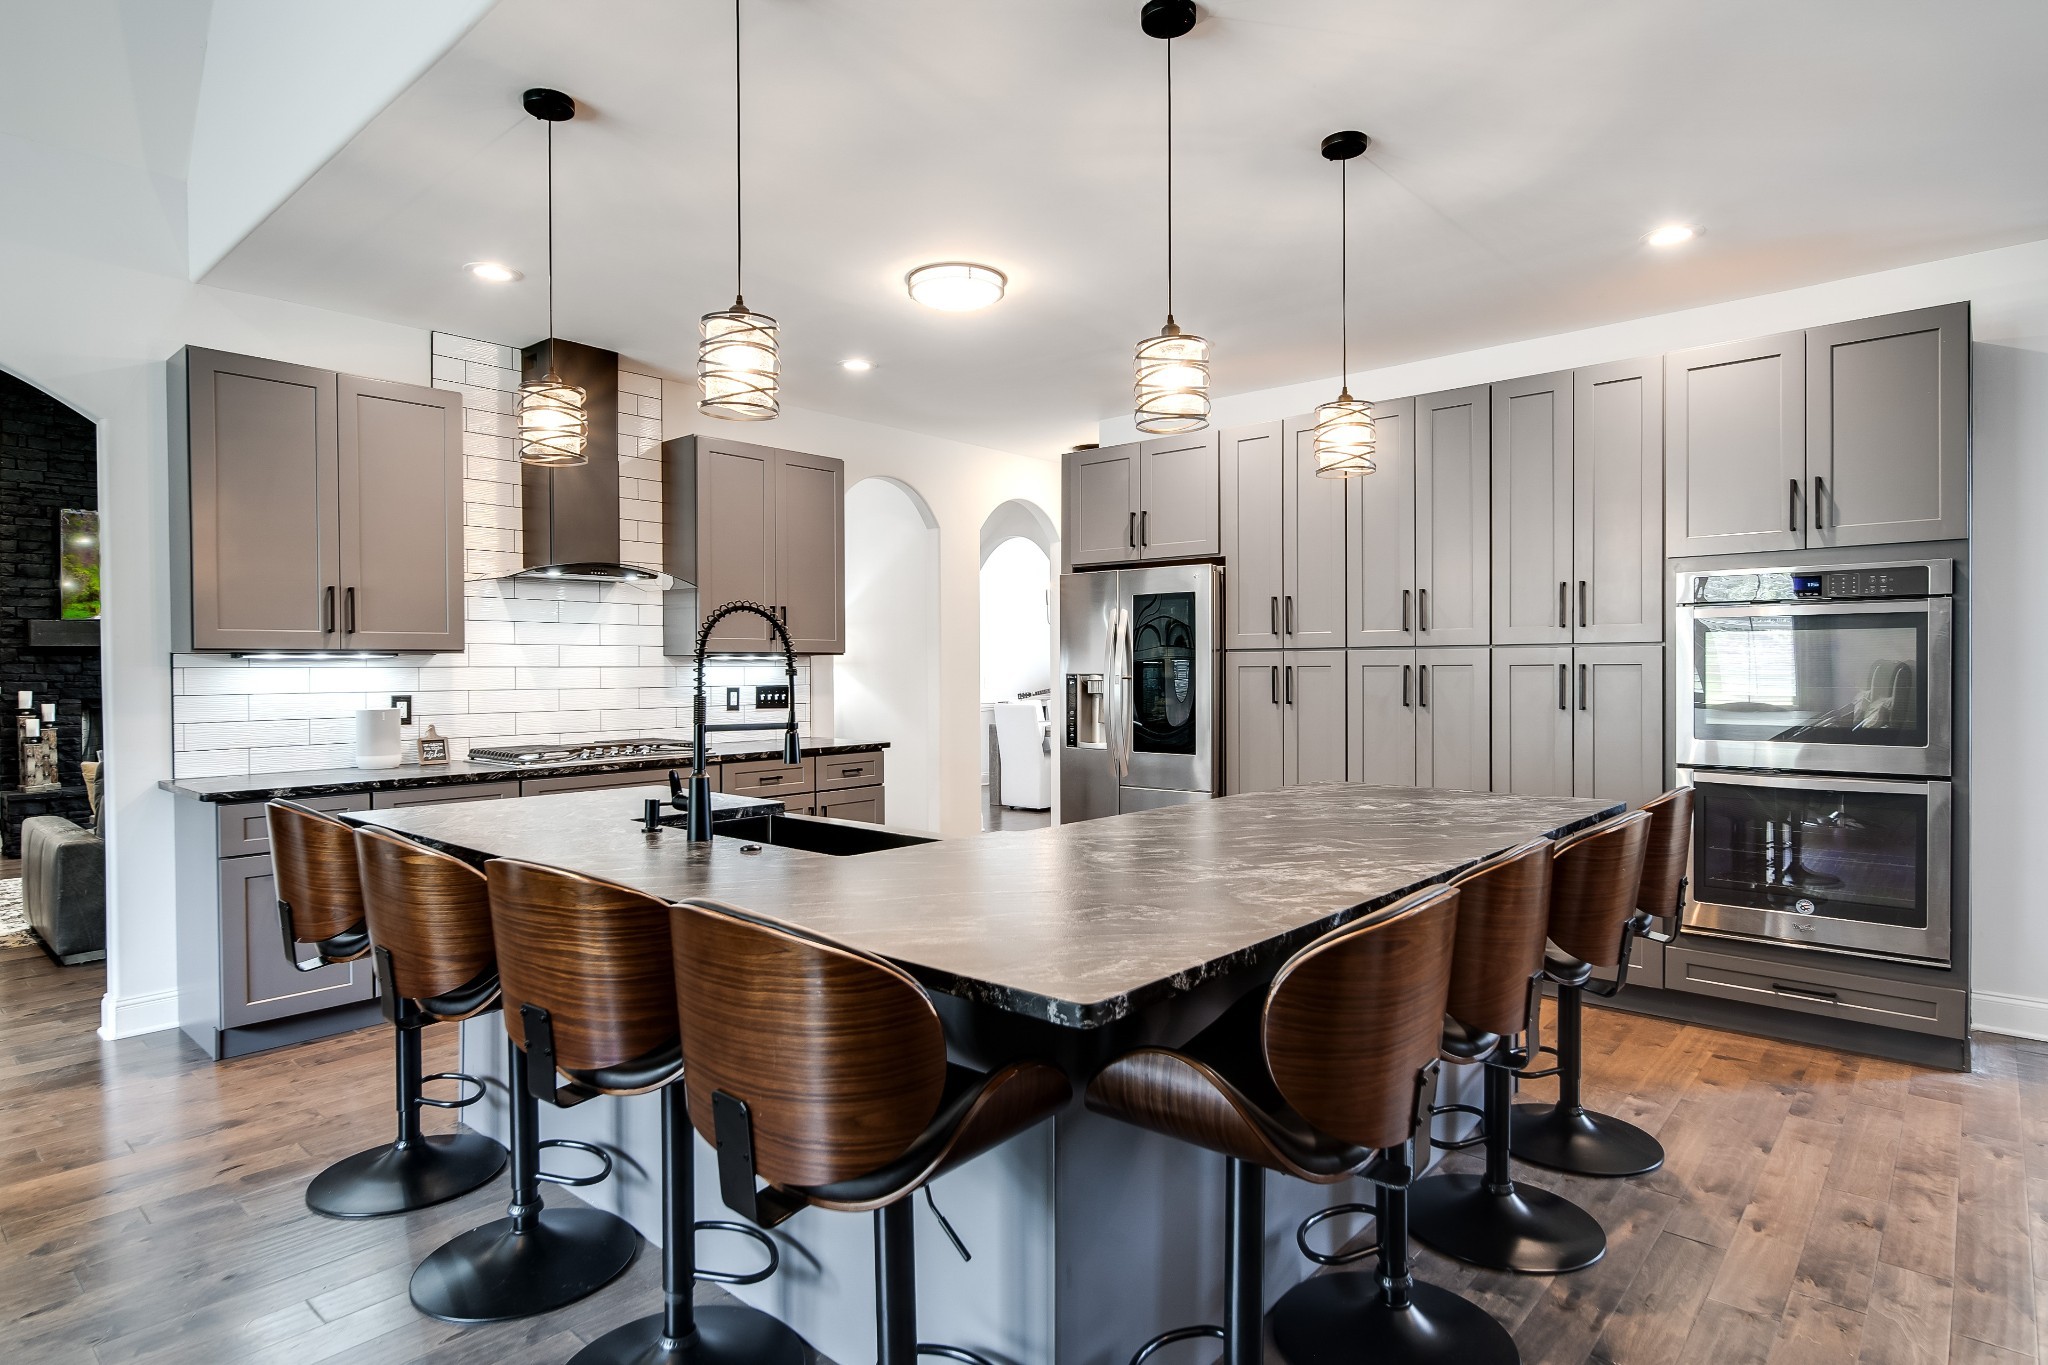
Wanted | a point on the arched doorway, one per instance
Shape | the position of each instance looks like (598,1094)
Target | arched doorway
(1018,611)
(886,685)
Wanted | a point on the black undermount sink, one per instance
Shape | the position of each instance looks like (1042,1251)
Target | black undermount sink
(816,834)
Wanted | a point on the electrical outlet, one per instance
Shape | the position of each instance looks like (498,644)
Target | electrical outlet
(403,704)
(732,699)
(772,698)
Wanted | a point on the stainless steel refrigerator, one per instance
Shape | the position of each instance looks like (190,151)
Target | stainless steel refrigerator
(1140,673)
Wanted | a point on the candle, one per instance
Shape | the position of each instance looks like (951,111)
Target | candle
(49,713)
(24,702)
(33,728)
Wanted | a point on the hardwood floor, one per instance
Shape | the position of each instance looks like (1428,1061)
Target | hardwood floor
(1814,1209)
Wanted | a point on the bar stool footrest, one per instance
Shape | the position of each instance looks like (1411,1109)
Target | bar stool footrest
(460,1102)
(1317,1219)
(928,1348)
(1459,1144)
(576,1181)
(1178,1334)
(744,1230)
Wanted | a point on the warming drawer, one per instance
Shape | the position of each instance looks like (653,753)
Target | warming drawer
(1938,1010)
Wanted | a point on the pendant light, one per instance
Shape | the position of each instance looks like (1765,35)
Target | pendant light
(1172,388)
(1345,439)
(738,370)
(552,416)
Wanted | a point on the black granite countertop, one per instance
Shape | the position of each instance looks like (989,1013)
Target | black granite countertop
(1078,924)
(336,781)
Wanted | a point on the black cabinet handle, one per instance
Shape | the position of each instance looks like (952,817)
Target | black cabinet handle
(1290,613)
(351,597)
(1563,688)
(327,613)
(1132,534)
(1582,687)
(1806,992)
(1276,684)
(769,779)
(1290,684)
(1407,677)
(1273,617)
(1562,621)
(1794,512)
(1820,494)
(1422,691)
(1582,604)
(1422,613)
(1144,528)
(1404,611)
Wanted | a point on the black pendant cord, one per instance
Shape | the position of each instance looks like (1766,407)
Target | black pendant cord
(1169,180)
(1344,270)
(739,212)
(551,242)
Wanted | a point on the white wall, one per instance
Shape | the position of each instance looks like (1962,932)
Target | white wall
(2008,292)
(886,685)
(1016,621)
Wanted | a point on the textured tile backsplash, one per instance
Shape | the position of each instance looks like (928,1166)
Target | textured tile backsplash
(545,661)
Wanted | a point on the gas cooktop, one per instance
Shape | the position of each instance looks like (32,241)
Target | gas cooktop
(535,755)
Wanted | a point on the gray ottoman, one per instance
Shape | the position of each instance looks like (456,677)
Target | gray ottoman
(64,888)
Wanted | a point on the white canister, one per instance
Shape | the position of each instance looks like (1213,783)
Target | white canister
(377,737)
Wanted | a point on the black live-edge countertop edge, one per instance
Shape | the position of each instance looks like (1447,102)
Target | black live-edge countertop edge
(338,781)
(1079,925)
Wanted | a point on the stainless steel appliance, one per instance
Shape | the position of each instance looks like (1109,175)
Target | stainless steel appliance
(1139,674)
(534,755)
(1816,726)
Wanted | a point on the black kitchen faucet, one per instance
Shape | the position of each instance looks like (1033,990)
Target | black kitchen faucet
(700,777)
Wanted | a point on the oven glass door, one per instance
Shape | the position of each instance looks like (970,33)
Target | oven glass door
(1842,687)
(1841,863)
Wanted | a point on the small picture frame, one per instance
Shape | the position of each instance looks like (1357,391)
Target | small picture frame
(433,748)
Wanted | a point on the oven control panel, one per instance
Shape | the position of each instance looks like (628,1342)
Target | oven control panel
(1837,585)
(1849,583)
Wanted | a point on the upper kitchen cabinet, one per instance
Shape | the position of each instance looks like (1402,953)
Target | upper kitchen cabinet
(750,523)
(312,510)
(1283,539)
(1453,542)
(1312,543)
(1735,447)
(1888,428)
(1149,500)
(1379,577)
(1618,503)
(1532,510)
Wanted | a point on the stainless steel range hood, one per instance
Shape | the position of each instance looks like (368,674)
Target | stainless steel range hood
(571,516)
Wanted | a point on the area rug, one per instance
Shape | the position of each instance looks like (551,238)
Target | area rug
(14,930)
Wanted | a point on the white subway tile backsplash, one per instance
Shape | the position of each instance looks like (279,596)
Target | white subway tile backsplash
(450,678)
(511,655)
(515,700)
(295,758)
(187,709)
(303,705)
(243,734)
(553,722)
(557,677)
(555,632)
(212,763)
(599,656)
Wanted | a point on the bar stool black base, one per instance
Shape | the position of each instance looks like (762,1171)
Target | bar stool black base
(1526,1229)
(491,1273)
(1582,1143)
(394,1179)
(1345,1318)
(726,1335)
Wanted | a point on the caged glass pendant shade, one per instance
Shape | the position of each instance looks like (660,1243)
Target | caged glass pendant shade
(1345,439)
(1172,388)
(554,423)
(738,367)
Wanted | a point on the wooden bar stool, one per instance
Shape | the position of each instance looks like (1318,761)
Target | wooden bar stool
(1596,879)
(320,900)
(1492,1019)
(1332,1081)
(823,1071)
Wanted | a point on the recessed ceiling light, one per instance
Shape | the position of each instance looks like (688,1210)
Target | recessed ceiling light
(856,365)
(493,272)
(1671,234)
(956,286)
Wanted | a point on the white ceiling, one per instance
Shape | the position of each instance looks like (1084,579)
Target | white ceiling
(1521,148)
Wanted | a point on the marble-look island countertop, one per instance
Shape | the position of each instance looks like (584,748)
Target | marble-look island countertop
(1079,925)
(292,786)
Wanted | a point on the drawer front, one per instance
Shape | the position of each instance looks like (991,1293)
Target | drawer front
(1816,990)
(243,829)
(850,770)
(857,803)
(435,796)
(583,782)
(770,777)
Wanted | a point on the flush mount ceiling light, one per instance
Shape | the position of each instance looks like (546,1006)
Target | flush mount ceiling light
(553,421)
(1345,438)
(493,272)
(956,286)
(739,368)
(1171,389)
(1671,234)
(855,365)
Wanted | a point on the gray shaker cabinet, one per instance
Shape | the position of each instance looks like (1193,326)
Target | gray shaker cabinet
(1253,528)
(1618,722)
(1379,575)
(1101,522)
(768,526)
(810,551)
(735,530)
(401,516)
(1618,503)
(1888,428)
(1532,510)
(1312,542)
(1380,702)
(1532,720)
(1312,704)
(1453,718)
(1254,731)
(1453,541)
(1735,447)
(1177,497)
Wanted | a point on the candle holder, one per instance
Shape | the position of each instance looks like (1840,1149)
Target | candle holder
(37,745)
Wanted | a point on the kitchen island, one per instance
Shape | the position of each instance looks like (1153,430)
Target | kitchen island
(1073,944)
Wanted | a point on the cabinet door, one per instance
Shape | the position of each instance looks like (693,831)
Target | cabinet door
(1177,497)
(856,803)
(1532,510)
(1618,729)
(401,516)
(810,551)
(1312,593)
(1380,715)
(1888,428)
(1312,697)
(1253,522)
(1532,721)
(1735,447)
(1453,719)
(736,538)
(1253,736)
(1379,541)
(1618,505)
(264,515)
(1102,506)
(1453,543)
(258,982)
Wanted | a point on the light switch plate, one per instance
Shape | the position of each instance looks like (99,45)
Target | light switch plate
(773,697)
(402,703)
(732,699)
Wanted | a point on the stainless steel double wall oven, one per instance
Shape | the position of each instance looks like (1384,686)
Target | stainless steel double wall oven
(1816,725)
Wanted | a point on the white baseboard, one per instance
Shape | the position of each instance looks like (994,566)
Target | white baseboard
(139,1014)
(2021,1016)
